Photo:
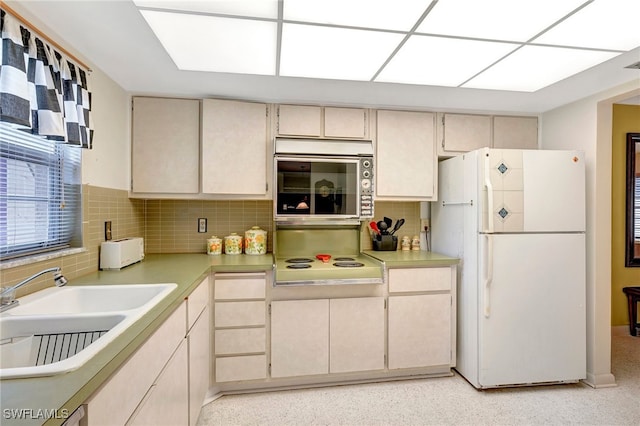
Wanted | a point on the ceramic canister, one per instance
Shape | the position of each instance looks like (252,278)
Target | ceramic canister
(214,245)
(233,244)
(255,241)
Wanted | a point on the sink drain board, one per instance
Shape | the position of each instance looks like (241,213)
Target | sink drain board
(57,347)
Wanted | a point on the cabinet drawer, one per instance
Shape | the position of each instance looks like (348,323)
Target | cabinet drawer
(419,279)
(237,341)
(246,287)
(237,368)
(239,314)
(196,302)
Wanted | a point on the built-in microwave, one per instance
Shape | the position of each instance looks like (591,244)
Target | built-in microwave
(319,180)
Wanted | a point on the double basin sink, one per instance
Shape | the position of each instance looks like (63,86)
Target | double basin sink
(59,329)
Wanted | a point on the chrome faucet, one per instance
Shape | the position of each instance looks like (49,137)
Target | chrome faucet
(7,296)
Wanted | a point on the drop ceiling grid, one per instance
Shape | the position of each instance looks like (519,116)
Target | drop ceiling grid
(412,41)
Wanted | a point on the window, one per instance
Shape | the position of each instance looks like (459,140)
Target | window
(40,194)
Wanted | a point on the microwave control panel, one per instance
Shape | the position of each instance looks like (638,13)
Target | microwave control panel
(366,187)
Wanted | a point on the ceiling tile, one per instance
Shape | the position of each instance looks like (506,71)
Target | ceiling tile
(334,53)
(207,43)
(534,67)
(442,61)
(391,15)
(604,24)
(252,8)
(495,19)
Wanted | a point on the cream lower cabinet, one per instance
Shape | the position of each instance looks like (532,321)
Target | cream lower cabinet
(310,337)
(421,317)
(240,332)
(154,386)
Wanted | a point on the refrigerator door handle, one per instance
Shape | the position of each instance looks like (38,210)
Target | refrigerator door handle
(489,187)
(489,276)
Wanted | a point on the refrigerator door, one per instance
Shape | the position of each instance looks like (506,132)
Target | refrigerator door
(531,191)
(531,313)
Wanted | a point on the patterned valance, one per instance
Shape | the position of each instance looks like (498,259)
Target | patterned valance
(41,91)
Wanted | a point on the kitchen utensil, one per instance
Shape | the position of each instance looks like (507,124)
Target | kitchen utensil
(214,245)
(374,227)
(397,226)
(323,257)
(382,226)
(388,221)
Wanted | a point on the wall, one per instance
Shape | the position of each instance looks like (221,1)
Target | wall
(586,125)
(626,119)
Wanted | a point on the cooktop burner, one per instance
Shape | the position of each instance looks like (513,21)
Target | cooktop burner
(299,266)
(348,264)
(344,259)
(299,260)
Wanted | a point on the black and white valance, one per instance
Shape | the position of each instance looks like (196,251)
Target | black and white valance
(41,91)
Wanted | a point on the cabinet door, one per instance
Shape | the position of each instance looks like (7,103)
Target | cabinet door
(345,123)
(299,337)
(165,145)
(419,331)
(234,147)
(166,403)
(466,132)
(405,161)
(199,362)
(356,334)
(515,132)
(300,120)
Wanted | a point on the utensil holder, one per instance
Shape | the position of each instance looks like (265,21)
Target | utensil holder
(385,243)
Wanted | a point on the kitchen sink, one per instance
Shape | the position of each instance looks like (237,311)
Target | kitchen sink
(57,330)
(91,299)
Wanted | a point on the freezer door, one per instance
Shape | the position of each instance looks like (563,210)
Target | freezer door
(532,191)
(532,317)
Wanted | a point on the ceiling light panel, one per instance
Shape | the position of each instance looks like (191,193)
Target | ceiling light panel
(250,8)
(534,67)
(495,19)
(441,61)
(399,15)
(334,53)
(603,24)
(207,43)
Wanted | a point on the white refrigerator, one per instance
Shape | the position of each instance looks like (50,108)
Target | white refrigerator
(516,219)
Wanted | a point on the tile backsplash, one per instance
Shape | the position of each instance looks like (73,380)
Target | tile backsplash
(170,226)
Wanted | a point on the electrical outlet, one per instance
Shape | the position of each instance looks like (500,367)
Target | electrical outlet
(202,225)
(107,231)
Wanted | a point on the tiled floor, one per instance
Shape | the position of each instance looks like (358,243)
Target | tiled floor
(444,401)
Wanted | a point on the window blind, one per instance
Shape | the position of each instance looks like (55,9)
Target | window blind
(40,193)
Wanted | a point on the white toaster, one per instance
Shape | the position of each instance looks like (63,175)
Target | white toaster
(117,254)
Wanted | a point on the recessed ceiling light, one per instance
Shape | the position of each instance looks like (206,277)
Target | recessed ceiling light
(253,8)
(397,15)
(534,67)
(207,43)
(603,24)
(495,19)
(441,61)
(334,53)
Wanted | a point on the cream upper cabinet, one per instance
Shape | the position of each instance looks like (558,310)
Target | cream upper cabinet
(405,155)
(459,133)
(515,132)
(318,122)
(463,132)
(165,145)
(234,147)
